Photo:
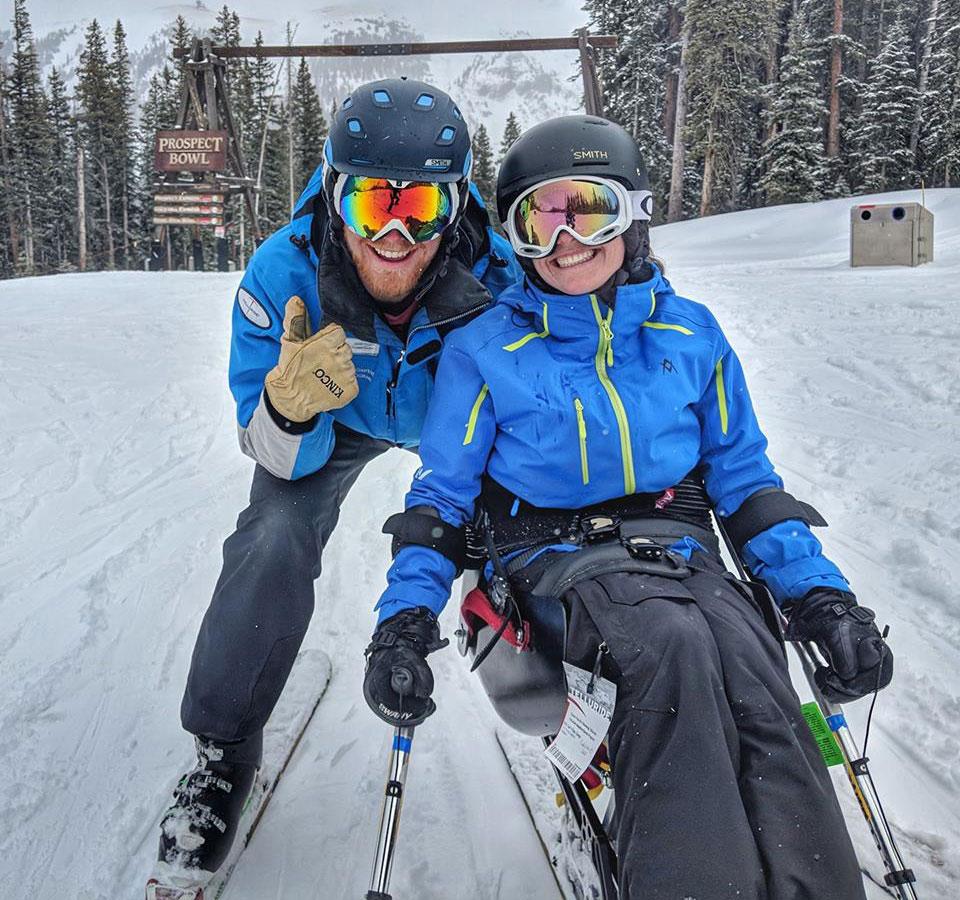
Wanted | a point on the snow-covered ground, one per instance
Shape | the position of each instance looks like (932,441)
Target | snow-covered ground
(120,477)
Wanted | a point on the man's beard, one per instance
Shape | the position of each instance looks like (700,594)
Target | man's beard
(389,284)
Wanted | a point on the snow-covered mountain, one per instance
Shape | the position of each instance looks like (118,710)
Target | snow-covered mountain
(535,86)
(120,476)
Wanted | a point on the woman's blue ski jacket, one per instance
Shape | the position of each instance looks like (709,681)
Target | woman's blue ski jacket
(567,403)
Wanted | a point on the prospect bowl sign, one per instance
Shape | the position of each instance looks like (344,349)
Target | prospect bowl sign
(191,151)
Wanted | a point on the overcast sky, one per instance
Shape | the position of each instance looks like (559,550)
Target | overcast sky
(437,20)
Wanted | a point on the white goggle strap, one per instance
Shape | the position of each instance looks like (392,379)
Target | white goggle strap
(642,205)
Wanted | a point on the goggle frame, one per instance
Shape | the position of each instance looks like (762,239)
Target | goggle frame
(634,206)
(448,188)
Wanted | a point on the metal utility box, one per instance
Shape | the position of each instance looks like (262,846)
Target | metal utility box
(891,234)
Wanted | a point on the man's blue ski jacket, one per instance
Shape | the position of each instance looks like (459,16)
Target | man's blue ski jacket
(396,380)
(567,403)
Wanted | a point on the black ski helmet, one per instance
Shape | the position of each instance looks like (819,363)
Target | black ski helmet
(401,129)
(566,147)
(569,146)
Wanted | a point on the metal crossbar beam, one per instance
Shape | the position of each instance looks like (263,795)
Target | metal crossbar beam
(596,41)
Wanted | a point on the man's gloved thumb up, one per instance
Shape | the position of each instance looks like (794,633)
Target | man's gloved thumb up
(315,372)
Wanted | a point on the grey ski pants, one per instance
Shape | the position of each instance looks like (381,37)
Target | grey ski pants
(721,791)
(264,598)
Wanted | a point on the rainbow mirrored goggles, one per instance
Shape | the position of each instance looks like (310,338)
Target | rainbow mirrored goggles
(373,207)
(593,210)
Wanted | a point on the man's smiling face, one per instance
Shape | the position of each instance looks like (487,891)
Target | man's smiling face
(391,267)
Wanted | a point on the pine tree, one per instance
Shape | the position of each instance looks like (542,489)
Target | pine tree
(310,127)
(274,193)
(940,117)
(158,113)
(181,40)
(29,139)
(121,143)
(634,77)
(793,157)
(9,239)
(881,137)
(483,175)
(96,98)
(724,78)
(257,133)
(510,133)
(60,177)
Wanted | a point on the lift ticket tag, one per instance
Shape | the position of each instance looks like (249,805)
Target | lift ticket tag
(585,723)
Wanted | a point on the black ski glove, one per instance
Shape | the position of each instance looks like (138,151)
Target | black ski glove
(398,682)
(859,660)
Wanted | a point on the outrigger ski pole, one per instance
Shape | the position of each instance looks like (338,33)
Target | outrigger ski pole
(402,682)
(898,879)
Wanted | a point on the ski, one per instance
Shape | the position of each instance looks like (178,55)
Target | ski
(295,710)
(565,844)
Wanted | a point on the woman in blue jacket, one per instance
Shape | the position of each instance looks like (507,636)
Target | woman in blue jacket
(594,405)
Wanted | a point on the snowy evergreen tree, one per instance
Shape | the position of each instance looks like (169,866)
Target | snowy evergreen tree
(483,175)
(725,56)
(940,116)
(158,112)
(122,147)
(881,136)
(29,141)
(635,75)
(9,235)
(310,127)
(95,93)
(274,193)
(181,39)
(793,159)
(511,132)
(60,177)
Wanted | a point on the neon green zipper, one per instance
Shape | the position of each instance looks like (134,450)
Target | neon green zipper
(603,359)
(582,432)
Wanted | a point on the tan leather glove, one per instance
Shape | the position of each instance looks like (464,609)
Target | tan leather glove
(315,373)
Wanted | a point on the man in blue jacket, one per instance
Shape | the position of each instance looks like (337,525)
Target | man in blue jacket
(337,327)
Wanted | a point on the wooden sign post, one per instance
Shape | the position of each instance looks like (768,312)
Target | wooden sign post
(199,163)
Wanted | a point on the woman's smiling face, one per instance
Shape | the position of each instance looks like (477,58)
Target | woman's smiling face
(575,268)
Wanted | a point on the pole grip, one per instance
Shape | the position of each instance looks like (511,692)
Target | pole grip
(401,680)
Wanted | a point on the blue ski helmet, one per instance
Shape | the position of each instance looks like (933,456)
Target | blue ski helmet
(401,129)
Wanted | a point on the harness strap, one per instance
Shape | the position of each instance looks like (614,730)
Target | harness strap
(422,526)
(762,510)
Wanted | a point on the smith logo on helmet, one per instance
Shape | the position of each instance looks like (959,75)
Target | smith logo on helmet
(437,163)
(590,154)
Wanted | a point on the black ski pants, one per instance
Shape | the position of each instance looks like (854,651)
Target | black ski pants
(264,598)
(720,789)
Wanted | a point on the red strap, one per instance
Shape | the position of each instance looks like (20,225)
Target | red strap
(477,611)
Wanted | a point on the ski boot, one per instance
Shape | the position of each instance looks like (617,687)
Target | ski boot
(197,831)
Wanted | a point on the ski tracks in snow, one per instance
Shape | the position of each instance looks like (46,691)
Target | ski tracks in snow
(121,478)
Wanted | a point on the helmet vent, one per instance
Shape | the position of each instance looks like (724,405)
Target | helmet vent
(348,103)
(457,113)
(382,98)
(446,136)
(355,128)
(425,101)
